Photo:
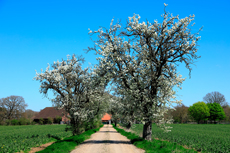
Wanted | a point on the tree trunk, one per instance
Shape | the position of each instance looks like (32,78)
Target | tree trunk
(74,131)
(115,123)
(75,127)
(147,131)
(128,126)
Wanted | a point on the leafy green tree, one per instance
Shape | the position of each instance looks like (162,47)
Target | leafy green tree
(199,111)
(216,112)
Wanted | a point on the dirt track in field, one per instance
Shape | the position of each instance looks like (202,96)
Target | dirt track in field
(107,140)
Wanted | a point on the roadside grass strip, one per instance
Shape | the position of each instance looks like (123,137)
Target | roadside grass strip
(210,138)
(154,146)
(68,144)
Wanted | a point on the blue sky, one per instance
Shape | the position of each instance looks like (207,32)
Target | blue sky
(34,33)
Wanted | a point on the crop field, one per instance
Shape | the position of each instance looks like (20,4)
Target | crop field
(17,138)
(203,137)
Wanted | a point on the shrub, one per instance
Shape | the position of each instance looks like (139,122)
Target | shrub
(14,122)
(2,122)
(41,121)
(57,119)
(7,122)
(50,120)
(22,121)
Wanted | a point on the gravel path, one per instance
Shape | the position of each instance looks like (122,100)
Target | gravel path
(107,140)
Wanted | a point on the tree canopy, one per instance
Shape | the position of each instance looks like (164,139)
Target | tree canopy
(199,111)
(78,91)
(141,59)
(180,113)
(215,97)
(216,111)
(13,107)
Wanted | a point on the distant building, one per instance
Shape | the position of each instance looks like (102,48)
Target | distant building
(51,112)
(106,119)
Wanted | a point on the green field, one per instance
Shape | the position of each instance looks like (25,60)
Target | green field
(17,138)
(203,137)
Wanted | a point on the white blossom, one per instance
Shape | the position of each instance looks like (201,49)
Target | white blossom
(135,70)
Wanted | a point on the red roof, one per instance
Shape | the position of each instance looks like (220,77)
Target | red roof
(106,117)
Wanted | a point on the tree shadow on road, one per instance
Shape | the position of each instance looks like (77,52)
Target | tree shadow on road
(106,141)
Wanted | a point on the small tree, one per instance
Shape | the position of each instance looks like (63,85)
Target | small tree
(216,112)
(199,111)
(41,121)
(50,120)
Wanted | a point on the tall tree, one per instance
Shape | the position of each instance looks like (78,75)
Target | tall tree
(215,97)
(141,59)
(78,91)
(216,112)
(180,114)
(199,111)
(14,106)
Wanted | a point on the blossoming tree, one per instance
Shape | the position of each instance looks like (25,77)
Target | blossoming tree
(142,58)
(78,91)
(115,108)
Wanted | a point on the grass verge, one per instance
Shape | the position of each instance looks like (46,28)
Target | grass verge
(68,144)
(154,146)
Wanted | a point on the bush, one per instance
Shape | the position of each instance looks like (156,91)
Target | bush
(50,120)
(2,122)
(92,124)
(22,121)
(7,122)
(57,119)
(41,121)
(14,122)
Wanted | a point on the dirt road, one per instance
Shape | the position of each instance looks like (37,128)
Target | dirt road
(107,140)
